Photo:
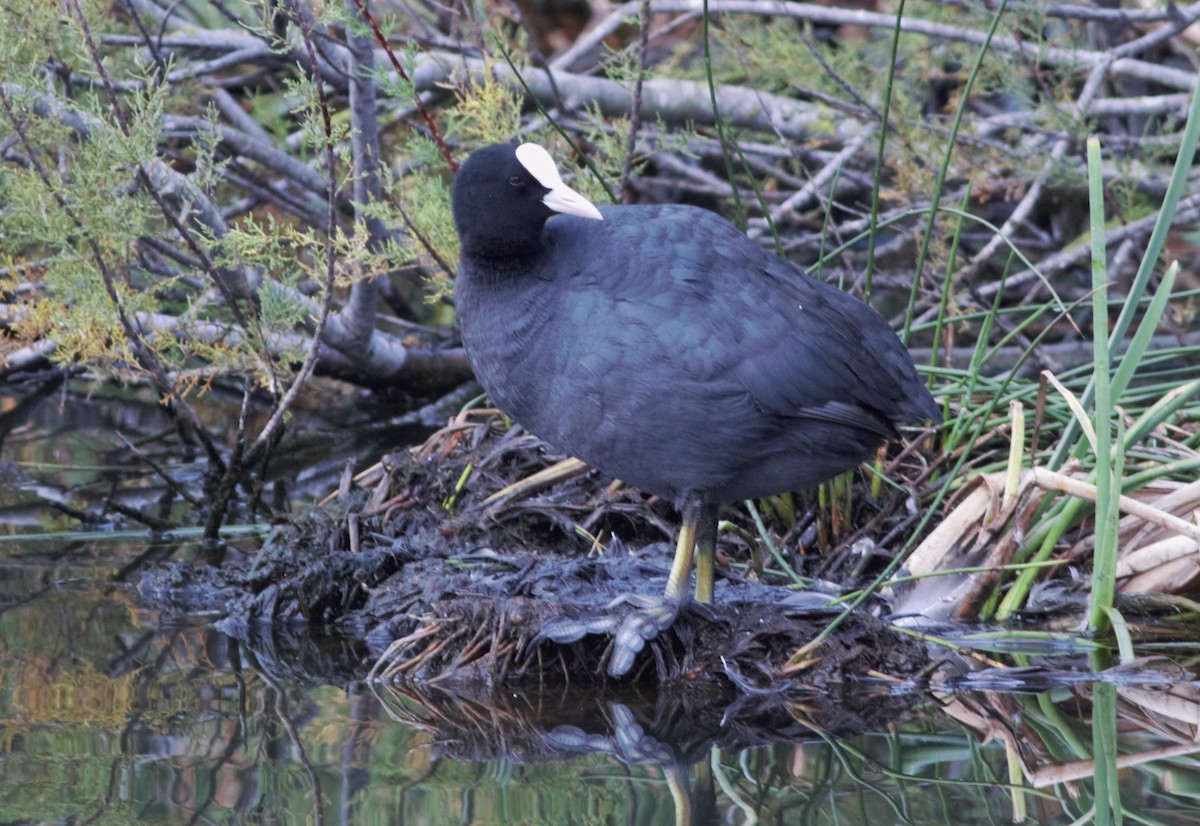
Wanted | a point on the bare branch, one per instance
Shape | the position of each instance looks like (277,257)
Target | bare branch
(673,101)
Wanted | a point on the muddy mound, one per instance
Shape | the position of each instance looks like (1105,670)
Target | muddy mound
(450,560)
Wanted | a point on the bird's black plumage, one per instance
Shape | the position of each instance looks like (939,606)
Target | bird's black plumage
(664,347)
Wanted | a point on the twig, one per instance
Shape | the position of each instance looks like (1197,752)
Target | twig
(434,131)
(1088,12)
(800,198)
(149,360)
(838,16)
(674,101)
(357,318)
(1186,212)
(310,357)
(231,283)
(635,110)
(1034,193)
(593,38)
(535,51)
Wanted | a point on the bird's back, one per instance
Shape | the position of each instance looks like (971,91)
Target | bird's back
(665,348)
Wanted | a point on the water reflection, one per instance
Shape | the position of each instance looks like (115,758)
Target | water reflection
(113,715)
(78,455)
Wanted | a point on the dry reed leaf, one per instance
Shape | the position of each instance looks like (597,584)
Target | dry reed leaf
(980,533)
(1170,567)
(1159,534)
(959,533)
(1174,713)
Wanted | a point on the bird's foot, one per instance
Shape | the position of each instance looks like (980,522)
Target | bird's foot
(630,631)
(652,616)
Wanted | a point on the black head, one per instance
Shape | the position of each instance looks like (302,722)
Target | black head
(503,195)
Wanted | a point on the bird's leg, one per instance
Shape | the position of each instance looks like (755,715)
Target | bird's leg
(685,548)
(654,615)
(706,552)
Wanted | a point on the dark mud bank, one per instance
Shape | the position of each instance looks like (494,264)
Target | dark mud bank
(438,578)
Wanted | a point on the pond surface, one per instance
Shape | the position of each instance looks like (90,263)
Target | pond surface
(110,714)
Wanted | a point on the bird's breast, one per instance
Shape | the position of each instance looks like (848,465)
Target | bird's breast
(503,322)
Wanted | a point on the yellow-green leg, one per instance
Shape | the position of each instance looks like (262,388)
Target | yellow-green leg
(698,541)
(681,565)
(706,553)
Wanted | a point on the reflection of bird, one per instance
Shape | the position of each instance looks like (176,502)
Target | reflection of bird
(664,347)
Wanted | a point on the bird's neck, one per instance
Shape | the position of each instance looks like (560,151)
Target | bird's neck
(503,249)
(499,266)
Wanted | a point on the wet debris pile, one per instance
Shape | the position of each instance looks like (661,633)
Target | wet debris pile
(449,559)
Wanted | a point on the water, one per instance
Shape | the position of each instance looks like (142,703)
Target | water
(108,714)
(112,714)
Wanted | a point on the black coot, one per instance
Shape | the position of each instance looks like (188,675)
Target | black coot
(662,346)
